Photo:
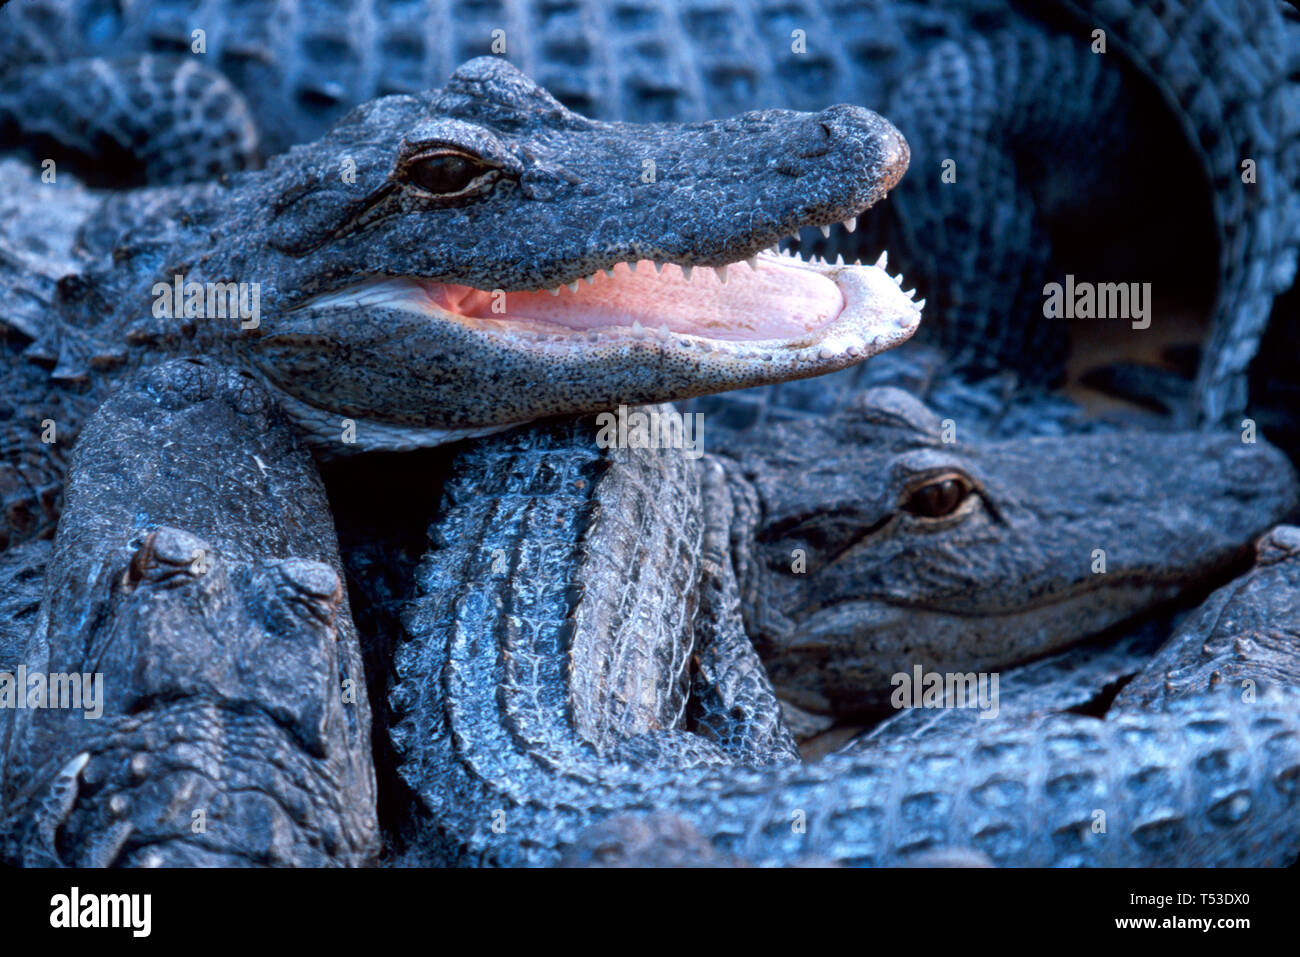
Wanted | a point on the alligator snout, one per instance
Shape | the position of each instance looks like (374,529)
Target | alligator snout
(1254,472)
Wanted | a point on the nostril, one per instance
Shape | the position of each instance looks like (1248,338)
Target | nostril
(813,140)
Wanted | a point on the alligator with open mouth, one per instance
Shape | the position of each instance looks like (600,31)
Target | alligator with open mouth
(444,265)
(1049,138)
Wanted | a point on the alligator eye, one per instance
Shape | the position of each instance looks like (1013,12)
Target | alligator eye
(939,497)
(445,173)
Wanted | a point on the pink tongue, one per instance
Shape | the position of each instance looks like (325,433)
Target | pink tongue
(776,302)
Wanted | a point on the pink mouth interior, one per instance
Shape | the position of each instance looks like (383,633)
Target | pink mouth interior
(777,301)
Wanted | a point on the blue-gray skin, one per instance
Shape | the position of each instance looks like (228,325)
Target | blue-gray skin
(575,664)
(1188,117)
(1245,638)
(580,633)
(403,266)
(196,575)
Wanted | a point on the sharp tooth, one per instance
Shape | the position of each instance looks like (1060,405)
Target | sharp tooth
(609,271)
(919,304)
(686,271)
(555,291)
(909,293)
(722,273)
(662,332)
(752,262)
(591,280)
(632,265)
(839,260)
(883,261)
(850,224)
(899,279)
(659,267)
(573,286)
(776,247)
(637,330)
(826,231)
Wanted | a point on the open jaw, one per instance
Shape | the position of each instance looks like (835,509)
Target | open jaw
(813,315)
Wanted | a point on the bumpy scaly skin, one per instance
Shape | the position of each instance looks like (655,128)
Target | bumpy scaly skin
(150,120)
(319,222)
(544,684)
(1040,127)
(218,622)
(1245,637)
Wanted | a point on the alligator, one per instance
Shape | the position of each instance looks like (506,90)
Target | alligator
(578,651)
(231,724)
(447,264)
(579,656)
(171,227)
(1244,637)
(1028,121)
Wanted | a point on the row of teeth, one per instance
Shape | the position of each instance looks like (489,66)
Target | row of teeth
(664,334)
(721,272)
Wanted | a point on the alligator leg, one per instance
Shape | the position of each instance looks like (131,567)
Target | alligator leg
(141,120)
(194,589)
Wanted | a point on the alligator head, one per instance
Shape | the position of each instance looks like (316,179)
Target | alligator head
(480,255)
(211,706)
(877,545)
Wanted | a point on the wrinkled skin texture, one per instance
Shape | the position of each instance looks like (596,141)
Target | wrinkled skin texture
(197,571)
(733,742)
(625,698)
